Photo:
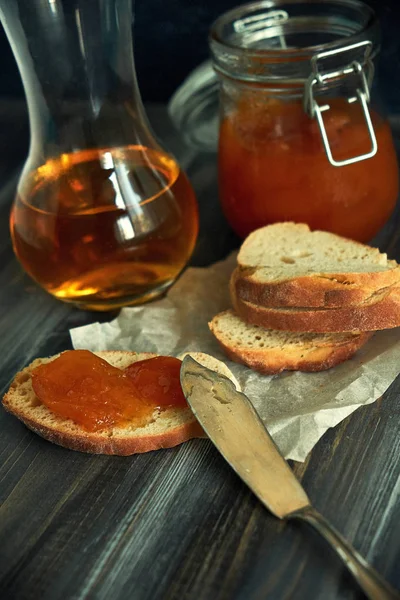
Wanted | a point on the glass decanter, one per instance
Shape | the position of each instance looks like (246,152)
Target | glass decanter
(103,216)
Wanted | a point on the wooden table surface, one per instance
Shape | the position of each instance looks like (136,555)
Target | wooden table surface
(177,523)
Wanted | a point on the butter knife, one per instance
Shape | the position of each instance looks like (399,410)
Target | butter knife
(232,424)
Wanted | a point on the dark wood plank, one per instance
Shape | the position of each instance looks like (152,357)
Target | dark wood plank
(177,524)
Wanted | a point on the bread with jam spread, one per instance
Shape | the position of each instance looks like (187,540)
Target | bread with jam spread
(168,428)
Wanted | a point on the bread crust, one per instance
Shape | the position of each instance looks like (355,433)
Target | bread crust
(96,444)
(317,359)
(382,312)
(71,436)
(269,278)
(312,291)
(310,353)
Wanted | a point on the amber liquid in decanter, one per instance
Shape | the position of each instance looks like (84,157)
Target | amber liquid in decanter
(105,227)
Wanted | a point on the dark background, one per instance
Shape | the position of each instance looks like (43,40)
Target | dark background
(171,39)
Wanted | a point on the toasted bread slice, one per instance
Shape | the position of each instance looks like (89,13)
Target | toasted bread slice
(271,351)
(309,291)
(381,311)
(169,427)
(286,264)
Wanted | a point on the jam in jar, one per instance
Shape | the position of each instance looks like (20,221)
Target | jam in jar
(302,137)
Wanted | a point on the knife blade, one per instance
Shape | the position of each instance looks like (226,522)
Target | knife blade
(230,421)
(232,424)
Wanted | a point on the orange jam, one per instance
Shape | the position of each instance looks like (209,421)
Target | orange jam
(79,385)
(273,167)
(158,380)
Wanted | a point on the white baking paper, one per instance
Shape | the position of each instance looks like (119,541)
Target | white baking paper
(297,408)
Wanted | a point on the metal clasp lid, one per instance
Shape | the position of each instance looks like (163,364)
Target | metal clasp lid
(261,21)
(362,94)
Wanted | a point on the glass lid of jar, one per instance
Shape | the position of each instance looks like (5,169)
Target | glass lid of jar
(286,34)
(194,108)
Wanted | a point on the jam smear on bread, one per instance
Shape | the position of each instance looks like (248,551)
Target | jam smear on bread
(81,386)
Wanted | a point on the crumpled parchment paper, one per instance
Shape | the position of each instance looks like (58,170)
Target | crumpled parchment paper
(297,408)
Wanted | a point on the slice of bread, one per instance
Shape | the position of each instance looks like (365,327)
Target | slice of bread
(381,311)
(277,254)
(308,291)
(270,351)
(169,428)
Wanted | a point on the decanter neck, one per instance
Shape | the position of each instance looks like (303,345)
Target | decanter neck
(77,67)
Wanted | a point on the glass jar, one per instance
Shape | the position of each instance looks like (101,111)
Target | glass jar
(302,134)
(104,216)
